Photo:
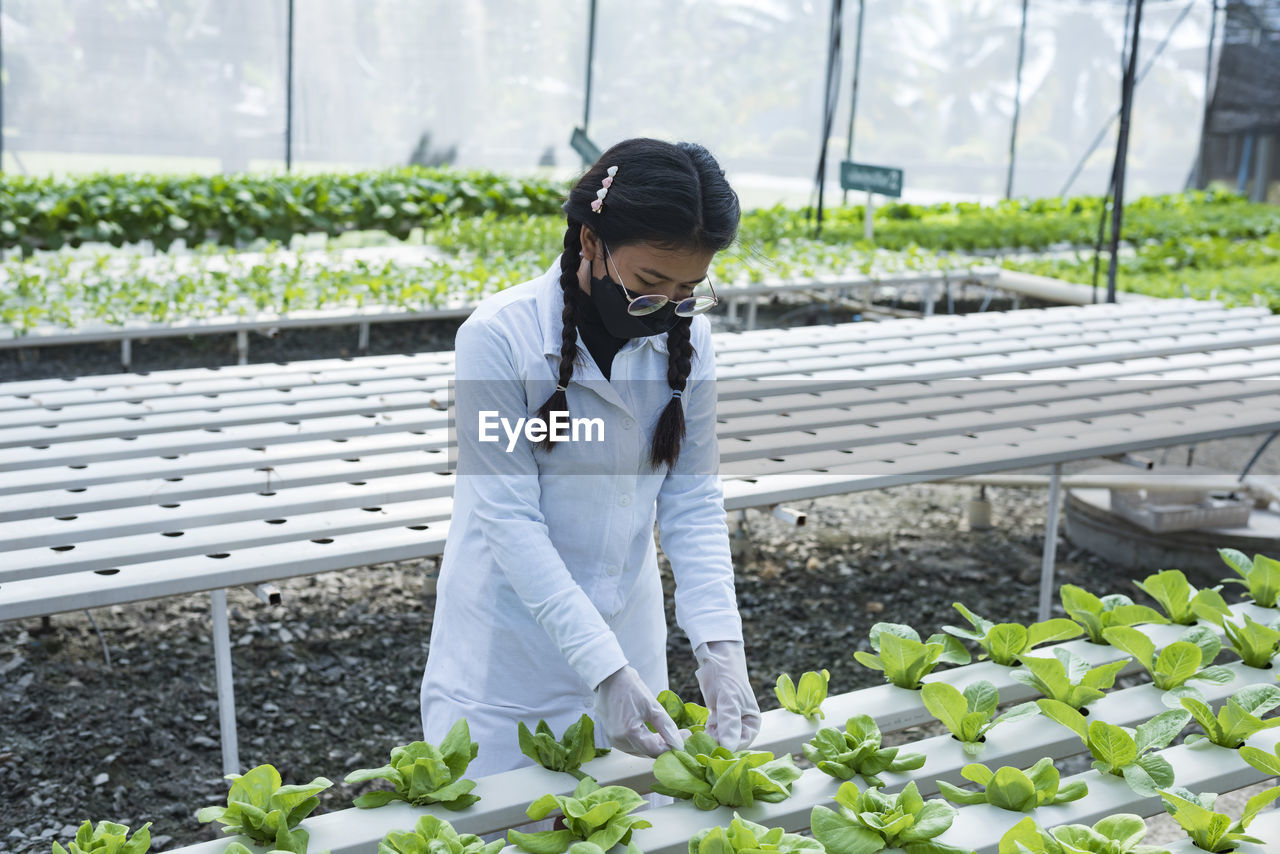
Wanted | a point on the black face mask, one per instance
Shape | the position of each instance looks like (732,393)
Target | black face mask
(612,306)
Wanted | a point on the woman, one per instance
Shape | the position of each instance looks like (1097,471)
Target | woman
(549,603)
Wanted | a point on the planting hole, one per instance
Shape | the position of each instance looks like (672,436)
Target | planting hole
(112,571)
(276,521)
(78,467)
(324,541)
(417,527)
(172,533)
(62,548)
(65,518)
(372,509)
(268,494)
(170,506)
(219,555)
(355,483)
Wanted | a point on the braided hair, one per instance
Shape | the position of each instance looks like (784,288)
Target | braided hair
(672,196)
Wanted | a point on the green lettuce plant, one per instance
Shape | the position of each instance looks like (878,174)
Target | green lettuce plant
(1261,575)
(434,835)
(1068,677)
(711,775)
(873,820)
(259,807)
(688,716)
(107,838)
(1116,834)
(593,813)
(857,750)
(904,658)
(425,774)
(806,698)
(969,715)
(1255,643)
(1214,831)
(1012,789)
(1006,643)
(567,754)
(1097,614)
(747,837)
(1181,602)
(1268,763)
(1237,719)
(1179,662)
(1123,751)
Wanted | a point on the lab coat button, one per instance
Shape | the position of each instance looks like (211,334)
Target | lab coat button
(628,423)
(624,501)
(614,570)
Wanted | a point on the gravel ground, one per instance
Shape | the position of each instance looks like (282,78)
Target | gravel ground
(328,681)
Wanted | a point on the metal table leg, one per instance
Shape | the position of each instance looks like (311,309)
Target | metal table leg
(226,688)
(1050,543)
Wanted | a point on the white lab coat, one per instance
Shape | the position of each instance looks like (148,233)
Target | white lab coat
(549,580)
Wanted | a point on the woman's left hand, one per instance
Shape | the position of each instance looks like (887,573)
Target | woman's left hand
(734,719)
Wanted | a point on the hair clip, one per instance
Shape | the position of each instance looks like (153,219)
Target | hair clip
(561,388)
(604,189)
(677,393)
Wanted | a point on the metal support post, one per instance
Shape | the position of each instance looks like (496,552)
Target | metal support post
(126,353)
(751,312)
(1050,543)
(242,346)
(226,688)
(363,343)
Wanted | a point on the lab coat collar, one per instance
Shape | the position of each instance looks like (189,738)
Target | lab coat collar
(550,301)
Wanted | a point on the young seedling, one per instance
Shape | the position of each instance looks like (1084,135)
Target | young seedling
(969,715)
(259,807)
(904,658)
(1097,614)
(688,716)
(857,750)
(107,838)
(1239,717)
(1261,576)
(1214,831)
(805,699)
(576,747)
(425,774)
(595,814)
(1116,834)
(1181,602)
(1255,643)
(712,776)
(435,834)
(1006,643)
(1068,677)
(1125,752)
(1011,789)
(747,837)
(1179,662)
(872,821)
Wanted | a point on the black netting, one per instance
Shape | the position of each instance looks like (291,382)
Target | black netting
(1246,98)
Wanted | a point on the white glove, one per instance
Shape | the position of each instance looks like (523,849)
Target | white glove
(623,705)
(722,675)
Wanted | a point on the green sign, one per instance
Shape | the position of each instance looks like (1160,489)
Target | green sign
(884,180)
(588,150)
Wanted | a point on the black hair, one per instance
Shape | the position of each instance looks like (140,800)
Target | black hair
(673,196)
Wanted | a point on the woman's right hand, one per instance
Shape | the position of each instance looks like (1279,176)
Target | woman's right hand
(624,705)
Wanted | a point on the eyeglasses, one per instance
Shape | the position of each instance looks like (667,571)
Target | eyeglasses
(649,303)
